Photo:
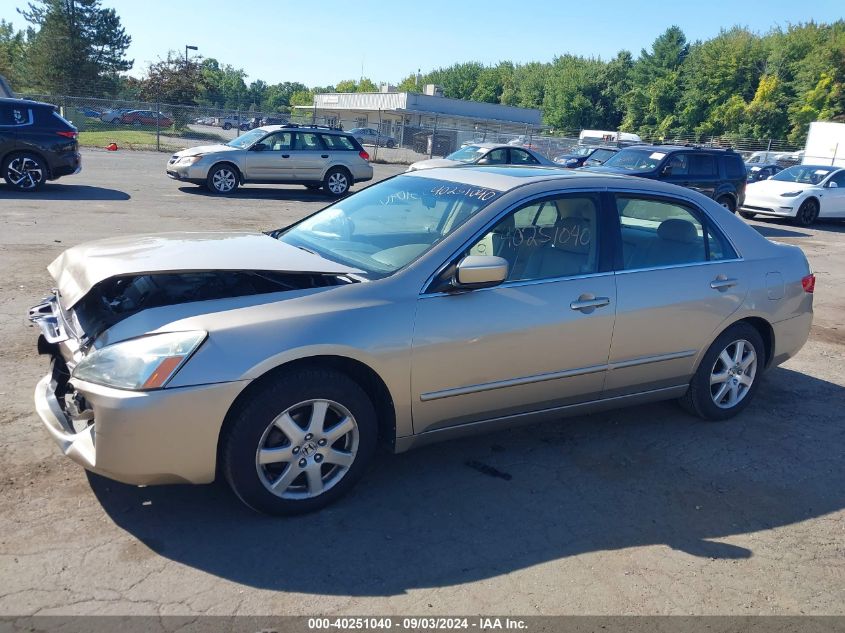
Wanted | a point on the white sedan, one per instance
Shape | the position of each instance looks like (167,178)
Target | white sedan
(801,192)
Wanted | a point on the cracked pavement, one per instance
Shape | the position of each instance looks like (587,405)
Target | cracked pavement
(636,511)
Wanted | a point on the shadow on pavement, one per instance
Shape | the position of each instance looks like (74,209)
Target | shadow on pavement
(639,476)
(297,194)
(772,227)
(52,191)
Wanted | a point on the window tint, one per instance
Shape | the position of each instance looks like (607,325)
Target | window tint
(14,114)
(660,233)
(702,165)
(734,167)
(278,141)
(839,179)
(521,157)
(678,165)
(337,142)
(496,157)
(308,141)
(546,240)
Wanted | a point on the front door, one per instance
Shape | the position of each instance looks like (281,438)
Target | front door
(679,281)
(272,162)
(538,341)
(833,198)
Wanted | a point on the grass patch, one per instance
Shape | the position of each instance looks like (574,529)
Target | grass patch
(135,138)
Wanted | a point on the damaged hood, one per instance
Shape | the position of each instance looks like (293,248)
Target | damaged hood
(80,268)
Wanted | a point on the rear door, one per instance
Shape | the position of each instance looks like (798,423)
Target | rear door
(310,156)
(678,279)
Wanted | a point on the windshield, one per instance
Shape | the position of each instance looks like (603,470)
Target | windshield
(807,174)
(635,159)
(245,140)
(601,155)
(580,151)
(468,154)
(385,227)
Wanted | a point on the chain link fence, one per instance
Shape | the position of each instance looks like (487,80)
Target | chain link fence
(167,127)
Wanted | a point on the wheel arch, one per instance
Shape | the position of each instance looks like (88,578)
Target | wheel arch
(232,164)
(763,327)
(18,150)
(366,377)
(342,167)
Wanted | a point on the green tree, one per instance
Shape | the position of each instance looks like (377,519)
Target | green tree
(13,46)
(77,47)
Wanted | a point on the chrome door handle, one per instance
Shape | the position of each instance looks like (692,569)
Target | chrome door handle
(723,283)
(585,304)
(285,155)
(324,155)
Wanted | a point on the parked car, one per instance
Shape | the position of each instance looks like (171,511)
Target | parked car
(803,193)
(146,117)
(36,144)
(113,116)
(717,173)
(313,156)
(761,158)
(757,172)
(90,112)
(430,305)
(233,121)
(485,154)
(585,156)
(274,120)
(369,136)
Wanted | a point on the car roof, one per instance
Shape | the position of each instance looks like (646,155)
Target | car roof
(29,102)
(679,148)
(508,177)
(317,128)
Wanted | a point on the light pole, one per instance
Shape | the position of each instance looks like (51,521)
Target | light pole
(188,48)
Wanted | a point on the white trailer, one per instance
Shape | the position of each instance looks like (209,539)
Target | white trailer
(825,144)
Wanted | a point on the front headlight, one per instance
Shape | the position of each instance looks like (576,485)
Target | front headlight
(188,160)
(791,194)
(148,362)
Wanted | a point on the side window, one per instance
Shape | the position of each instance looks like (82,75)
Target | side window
(678,165)
(337,142)
(496,157)
(14,114)
(661,233)
(734,167)
(702,165)
(839,179)
(521,157)
(278,142)
(308,141)
(546,240)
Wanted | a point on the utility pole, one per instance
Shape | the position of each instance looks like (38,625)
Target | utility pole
(188,48)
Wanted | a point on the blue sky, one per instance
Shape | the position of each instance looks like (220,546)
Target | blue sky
(322,42)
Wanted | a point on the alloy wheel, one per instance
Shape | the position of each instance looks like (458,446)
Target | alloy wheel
(24,173)
(338,183)
(733,374)
(307,449)
(224,180)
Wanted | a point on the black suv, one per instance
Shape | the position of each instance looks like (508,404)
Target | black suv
(36,144)
(717,173)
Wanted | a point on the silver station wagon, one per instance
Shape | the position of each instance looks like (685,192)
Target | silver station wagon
(427,306)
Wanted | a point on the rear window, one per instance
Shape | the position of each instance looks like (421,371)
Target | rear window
(338,142)
(734,167)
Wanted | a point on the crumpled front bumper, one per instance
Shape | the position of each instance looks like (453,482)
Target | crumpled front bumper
(140,437)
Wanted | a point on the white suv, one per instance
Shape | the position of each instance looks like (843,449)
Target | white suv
(314,156)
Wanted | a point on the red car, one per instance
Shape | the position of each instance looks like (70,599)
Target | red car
(145,117)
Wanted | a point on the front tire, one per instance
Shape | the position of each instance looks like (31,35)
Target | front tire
(808,212)
(227,126)
(25,171)
(301,443)
(222,179)
(728,375)
(728,203)
(337,182)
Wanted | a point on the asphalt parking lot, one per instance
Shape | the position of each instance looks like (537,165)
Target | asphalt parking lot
(636,511)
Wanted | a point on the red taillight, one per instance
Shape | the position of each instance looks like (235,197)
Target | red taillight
(808,283)
(66,133)
(364,155)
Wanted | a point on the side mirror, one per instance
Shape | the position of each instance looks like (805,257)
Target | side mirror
(832,185)
(481,271)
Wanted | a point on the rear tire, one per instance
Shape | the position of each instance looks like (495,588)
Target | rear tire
(808,212)
(227,126)
(300,443)
(748,215)
(25,171)
(391,144)
(728,375)
(222,179)
(337,182)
